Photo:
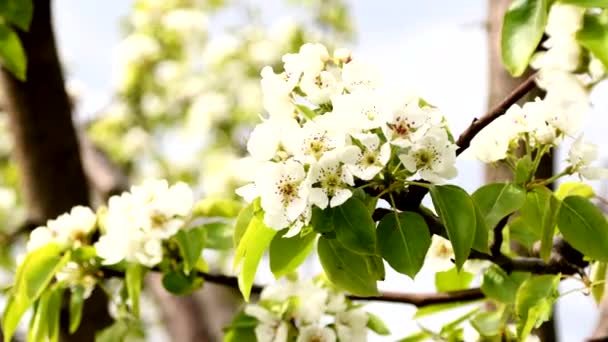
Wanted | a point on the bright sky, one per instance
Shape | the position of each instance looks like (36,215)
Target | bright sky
(435,47)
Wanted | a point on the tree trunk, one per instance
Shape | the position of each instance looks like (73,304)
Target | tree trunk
(46,147)
(500,84)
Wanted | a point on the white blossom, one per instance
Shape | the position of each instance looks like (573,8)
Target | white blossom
(372,158)
(185,21)
(67,229)
(314,140)
(358,75)
(362,111)
(432,157)
(313,333)
(351,325)
(276,92)
(319,88)
(284,193)
(275,138)
(581,156)
(310,59)
(271,328)
(331,178)
(410,122)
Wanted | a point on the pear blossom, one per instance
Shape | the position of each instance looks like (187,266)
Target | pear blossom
(137,222)
(358,76)
(284,193)
(273,139)
(271,327)
(581,155)
(67,229)
(432,157)
(314,140)
(331,178)
(320,88)
(361,111)
(313,333)
(410,121)
(276,92)
(372,158)
(351,325)
(185,21)
(309,60)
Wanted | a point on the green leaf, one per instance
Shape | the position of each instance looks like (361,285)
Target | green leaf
(217,207)
(181,284)
(457,212)
(134,277)
(286,254)
(53,311)
(435,308)
(17,12)
(481,241)
(76,305)
(375,324)
(375,266)
(539,214)
(523,170)
(453,280)
(346,269)
(242,222)
(598,277)
(190,243)
(489,324)
(403,240)
(574,189)
(497,200)
(322,220)
(218,235)
(534,302)
(251,247)
(586,3)
(12,54)
(240,335)
(453,325)
(354,226)
(522,29)
(31,280)
(121,330)
(594,36)
(417,337)
(584,226)
(499,285)
(307,112)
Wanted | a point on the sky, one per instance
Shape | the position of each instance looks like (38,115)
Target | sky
(436,47)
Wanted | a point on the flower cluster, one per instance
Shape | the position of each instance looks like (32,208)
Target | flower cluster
(137,222)
(315,312)
(332,124)
(546,122)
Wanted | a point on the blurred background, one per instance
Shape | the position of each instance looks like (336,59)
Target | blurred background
(170,89)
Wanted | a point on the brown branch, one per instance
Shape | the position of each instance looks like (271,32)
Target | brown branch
(464,141)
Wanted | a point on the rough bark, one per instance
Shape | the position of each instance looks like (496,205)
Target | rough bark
(500,83)
(46,147)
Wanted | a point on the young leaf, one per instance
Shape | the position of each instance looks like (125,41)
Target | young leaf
(218,235)
(489,324)
(417,337)
(539,214)
(375,324)
(598,276)
(322,220)
(497,200)
(251,247)
(12,54)
(76,305)
(453,280)
(52,313)
(499,285)
(403,240)
(286,254)
(17,12)
(134,277)
(534,301)
(457,212)
(584,226)
(594,36)
(32,278)
(523,169)
(242,222)
(586,3)
(190,243)
(375,266)
(522,30)
(354,226)
(216,207)
(574,189)
(481,241)
(180,284)
(346,269)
